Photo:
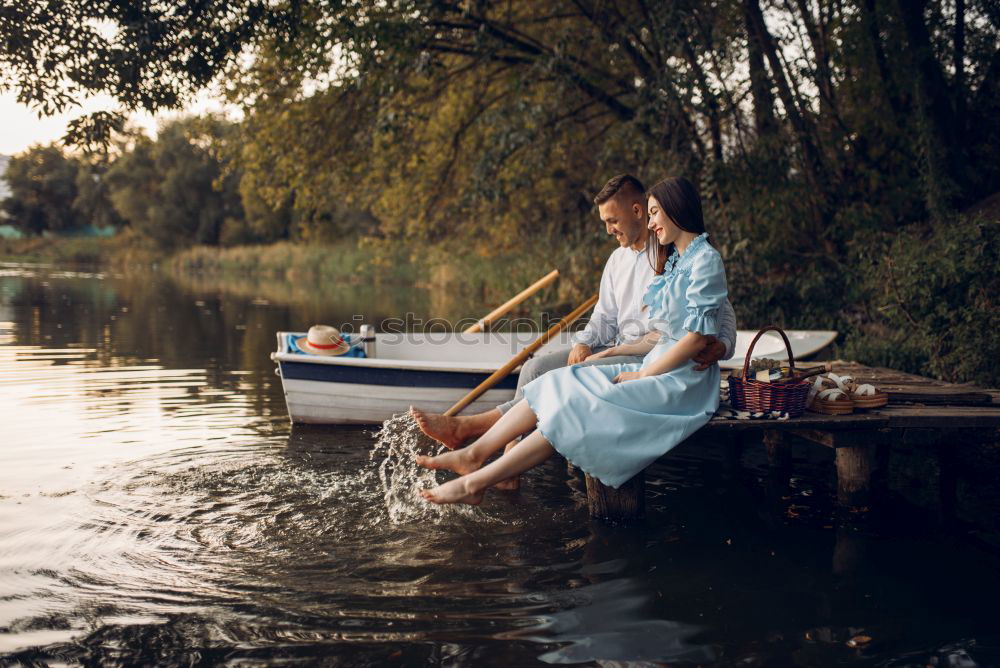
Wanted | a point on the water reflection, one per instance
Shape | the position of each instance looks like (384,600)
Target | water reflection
(156,507)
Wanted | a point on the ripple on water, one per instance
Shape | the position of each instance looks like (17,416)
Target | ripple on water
(397,444)
(205,525)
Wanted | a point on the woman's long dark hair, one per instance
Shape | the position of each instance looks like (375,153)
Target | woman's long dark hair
(679,199)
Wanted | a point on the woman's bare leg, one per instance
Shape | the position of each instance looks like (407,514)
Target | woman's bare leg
(530,452)
(514,422)
(510,484)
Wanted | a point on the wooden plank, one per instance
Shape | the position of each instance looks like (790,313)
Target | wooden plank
(942,417)
(809,420)
(926,395)
(860,371)
(925,417)
(946,437)
(837,439)
(845,439)
(907,387)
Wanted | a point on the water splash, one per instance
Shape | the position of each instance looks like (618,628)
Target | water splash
(397,444)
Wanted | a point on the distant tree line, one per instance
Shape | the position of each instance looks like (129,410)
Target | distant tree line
(180,188)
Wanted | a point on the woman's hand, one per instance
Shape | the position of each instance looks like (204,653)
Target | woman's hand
(627,375)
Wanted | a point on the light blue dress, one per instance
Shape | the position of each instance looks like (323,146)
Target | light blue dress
(613,431)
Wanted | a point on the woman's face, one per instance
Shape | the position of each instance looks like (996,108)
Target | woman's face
(660,224)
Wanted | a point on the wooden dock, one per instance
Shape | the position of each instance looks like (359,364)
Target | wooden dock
(920,411)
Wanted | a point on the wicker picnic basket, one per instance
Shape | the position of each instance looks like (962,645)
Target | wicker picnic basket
(750,394)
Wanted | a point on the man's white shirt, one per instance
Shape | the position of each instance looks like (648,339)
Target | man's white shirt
(619,317)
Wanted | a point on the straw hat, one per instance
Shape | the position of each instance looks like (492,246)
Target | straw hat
(322,340)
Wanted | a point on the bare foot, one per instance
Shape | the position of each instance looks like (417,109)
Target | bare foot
(443,429)
(459,461)
(510,484)
(453,491)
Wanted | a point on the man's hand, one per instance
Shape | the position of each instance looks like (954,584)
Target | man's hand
(627,375)
(579,353)
(713,351)
(607,352)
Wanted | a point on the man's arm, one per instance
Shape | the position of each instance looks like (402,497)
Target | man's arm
(602,328)
(727,329)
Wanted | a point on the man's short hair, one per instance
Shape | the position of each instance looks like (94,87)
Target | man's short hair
(624,185)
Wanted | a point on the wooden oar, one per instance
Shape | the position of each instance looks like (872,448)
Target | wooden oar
(503,371)
(504,308)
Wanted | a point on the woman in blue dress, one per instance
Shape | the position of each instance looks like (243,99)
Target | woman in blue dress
(613,421)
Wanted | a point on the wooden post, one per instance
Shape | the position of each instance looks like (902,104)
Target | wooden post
(849,551)
(882,449)
(854,472)
(625,504)
(858,454)
(732,453)
(779,457)
(947,482)
(779,451)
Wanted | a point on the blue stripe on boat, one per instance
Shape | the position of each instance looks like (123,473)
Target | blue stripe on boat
(366,375)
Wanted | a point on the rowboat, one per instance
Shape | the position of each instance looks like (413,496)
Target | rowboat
(433,370)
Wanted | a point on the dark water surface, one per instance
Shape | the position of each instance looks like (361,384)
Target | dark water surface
(157,507)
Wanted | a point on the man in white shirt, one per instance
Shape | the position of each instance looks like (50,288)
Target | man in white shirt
(618,317)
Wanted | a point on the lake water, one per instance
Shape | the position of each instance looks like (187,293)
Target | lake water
(157,507)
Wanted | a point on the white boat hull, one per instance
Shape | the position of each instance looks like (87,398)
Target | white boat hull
(317,402)
(433,372)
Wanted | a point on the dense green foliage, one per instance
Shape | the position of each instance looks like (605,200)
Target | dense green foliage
(43,190)
(176,190)
(146,55)
(53,192)
(935,296)
(173,191)
(826,137)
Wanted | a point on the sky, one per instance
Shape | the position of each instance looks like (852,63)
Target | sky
(20,126)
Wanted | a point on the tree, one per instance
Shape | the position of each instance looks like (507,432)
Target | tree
(43,191)
(176,190)
(93,198)
(146,55)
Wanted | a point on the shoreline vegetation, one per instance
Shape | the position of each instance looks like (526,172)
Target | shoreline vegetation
(924,299)
(297,268)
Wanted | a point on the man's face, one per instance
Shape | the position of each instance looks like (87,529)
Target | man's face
(627,222)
